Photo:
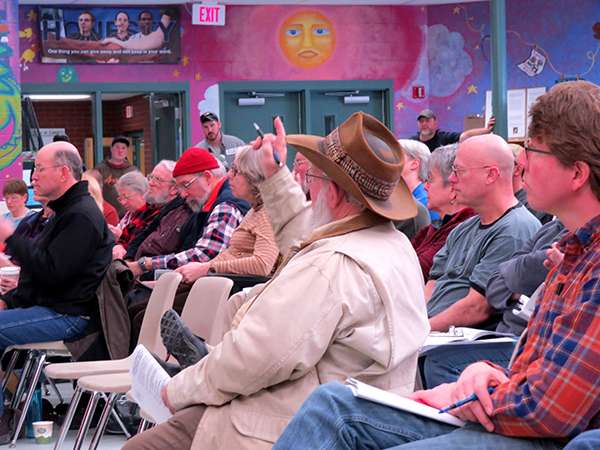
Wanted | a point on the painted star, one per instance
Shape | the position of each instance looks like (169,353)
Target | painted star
(472,88)
(449,108)
(457,10)
(185,61)
(198,76)
(422,8)
(176,73)
(32,15)
(400,106)
(477,47)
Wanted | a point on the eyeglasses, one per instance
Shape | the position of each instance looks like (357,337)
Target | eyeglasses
(235,170)
(310,176)
(186,186)
(124,197)
(40,169)
(536,150)
(156,179)
(14,198)
(456,171)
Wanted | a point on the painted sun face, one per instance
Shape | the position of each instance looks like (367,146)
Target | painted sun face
(307,39)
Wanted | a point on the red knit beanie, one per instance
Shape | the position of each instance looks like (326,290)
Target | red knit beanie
(194,160)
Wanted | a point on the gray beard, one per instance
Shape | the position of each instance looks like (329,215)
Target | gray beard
(197,204)
(159,199)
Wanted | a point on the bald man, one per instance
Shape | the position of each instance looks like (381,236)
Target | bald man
(482,180)
(55,296)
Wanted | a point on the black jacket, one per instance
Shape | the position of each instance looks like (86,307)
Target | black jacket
(64,267)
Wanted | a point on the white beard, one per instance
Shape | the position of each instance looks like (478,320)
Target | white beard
(321,214)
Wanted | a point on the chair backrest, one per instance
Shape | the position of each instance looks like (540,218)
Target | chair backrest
(160,300)
(200,309)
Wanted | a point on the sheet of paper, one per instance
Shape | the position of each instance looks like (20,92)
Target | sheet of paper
(532,96)
(376,395)
(516,101)
(147,382)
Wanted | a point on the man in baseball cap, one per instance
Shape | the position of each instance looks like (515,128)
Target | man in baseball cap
(433,138)
(218,143)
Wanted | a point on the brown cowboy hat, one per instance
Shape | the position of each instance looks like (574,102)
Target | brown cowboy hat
(366,160)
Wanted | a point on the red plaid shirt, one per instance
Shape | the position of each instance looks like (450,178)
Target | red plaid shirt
(137,223)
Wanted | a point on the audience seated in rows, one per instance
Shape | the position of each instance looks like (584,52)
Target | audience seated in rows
(55,296)
(416,169)
(550,394)
(133,189)
(217,213)
(441,199)
(348,302)
(15,196)
(482,180)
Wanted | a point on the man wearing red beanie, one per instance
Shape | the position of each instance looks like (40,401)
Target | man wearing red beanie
(203,184)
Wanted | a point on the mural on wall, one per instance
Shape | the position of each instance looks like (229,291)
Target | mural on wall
(10,96)
(210,102)
(307,39)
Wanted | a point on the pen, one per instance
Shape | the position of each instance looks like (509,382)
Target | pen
(262,135)
(462,402)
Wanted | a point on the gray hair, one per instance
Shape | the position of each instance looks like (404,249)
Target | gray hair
(72,160)
(219,172)
(135,182)
(248,162)
(443,159)
(169,165)
(417,150)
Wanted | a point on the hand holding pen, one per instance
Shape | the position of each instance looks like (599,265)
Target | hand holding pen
(273,148)
(462,402)
(262,136)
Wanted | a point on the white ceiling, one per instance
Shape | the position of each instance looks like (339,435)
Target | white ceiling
(242,2)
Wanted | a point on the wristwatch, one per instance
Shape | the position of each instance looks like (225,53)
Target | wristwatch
(142,263)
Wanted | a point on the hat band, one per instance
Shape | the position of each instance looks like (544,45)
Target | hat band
(367,183)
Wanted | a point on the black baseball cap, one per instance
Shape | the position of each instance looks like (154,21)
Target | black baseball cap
(122,139)
(209,117)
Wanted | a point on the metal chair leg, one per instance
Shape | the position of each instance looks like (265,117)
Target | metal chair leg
(64,429)
(40,358)
(10,368)
(87,420)
(110,405)
(21,386)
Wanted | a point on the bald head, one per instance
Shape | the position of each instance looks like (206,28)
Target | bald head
(64,154)
(489,150)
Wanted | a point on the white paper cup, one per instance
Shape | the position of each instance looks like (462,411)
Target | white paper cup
(43,432)
(9,272)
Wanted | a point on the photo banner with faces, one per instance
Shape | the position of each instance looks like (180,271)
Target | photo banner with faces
(110,35)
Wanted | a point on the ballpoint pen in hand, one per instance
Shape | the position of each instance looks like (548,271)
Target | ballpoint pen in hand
(462,402)
(262,135)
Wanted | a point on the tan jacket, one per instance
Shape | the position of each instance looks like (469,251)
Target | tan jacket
(347,305)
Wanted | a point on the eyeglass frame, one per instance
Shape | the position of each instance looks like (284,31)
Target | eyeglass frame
(297,164)
(535,150)
(40,169)
(156,179)
(310,175)
(185,187)
(235,170)
(456,171)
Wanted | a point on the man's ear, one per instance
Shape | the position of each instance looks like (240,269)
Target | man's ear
(518,170)
(492,174)
(581,174)
(335,196)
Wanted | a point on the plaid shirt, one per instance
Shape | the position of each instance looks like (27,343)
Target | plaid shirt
(137,223)
(554,387)
(219,227)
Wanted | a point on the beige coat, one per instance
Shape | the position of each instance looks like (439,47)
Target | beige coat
(347,305)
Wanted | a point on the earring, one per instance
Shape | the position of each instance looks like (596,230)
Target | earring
(452,202)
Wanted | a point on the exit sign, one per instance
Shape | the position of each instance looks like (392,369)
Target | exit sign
(208,14)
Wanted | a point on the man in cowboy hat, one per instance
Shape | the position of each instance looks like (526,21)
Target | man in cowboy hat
(348,301)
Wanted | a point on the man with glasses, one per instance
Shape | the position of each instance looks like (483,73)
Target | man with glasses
(551,393)
(60,271)
(482,180)
(301,165)
(221,145)
(145,21)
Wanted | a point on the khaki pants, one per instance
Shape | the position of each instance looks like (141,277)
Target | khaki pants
(177,433)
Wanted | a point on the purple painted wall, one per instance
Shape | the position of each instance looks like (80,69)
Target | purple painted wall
(444,48)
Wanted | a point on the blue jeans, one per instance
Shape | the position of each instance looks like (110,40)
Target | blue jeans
(589,440)
(36,324)
(333,418)
(445,363)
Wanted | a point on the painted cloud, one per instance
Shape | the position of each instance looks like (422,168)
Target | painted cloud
(449,64)
(211,100)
